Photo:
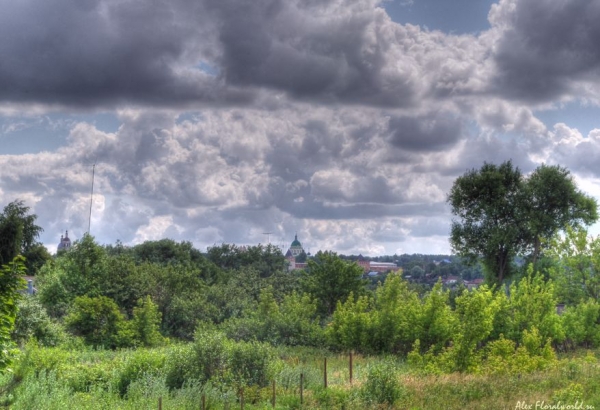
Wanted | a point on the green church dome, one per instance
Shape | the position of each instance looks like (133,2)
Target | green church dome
(296,242)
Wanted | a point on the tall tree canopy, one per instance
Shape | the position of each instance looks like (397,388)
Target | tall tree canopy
(330,279)
(502,214)
(19,233)
(553,202)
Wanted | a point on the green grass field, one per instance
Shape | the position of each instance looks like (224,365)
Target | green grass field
(58,378)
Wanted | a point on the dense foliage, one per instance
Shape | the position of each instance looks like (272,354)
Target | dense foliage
(177,321)
(501,214)
(18,236)
(10,284)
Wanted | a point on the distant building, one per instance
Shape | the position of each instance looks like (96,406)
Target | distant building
(451,280)
(382,266)
(296,247)
(294,251)
(473,284)
(363,263)
(65,242)
(369,267)
(375,267)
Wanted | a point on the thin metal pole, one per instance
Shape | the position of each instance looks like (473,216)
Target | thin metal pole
(91,198)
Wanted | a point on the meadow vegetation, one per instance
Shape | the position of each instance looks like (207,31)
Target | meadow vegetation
(121,327)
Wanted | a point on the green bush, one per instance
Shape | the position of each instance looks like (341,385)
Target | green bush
(33,322)
(382,385)
(98,320)
(209,355)
(582,323)
(250,362)
(139,363)
(571,394)
(333,398)
(145,323)
(213,357)
(180,366)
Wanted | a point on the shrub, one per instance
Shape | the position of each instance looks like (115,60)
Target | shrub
(141,362)
(213,357)
(145,323)
(571,394)
(180,366)
(382,385)
(250,362)
(533,304)
(33,322)
(209,355)
(333,398)
(581,323)
(97,320)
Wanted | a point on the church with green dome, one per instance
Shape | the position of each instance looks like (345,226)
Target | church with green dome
(296,247)
(292,253)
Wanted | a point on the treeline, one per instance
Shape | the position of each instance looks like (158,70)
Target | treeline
(145,295)
(164,291)
(427,268)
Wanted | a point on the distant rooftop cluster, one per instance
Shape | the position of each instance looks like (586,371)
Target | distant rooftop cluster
(370,267)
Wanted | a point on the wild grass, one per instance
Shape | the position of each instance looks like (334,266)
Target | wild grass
(55,378)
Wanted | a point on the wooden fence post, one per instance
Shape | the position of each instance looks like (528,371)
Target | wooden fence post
(350,367)
(301,388)
(274,394)
(203,401)
(325,372)
(242,398)
(160,403)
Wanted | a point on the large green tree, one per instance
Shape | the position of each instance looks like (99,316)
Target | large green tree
(19,233)
(330,279)
(502,214)
(488,203)
(553,203)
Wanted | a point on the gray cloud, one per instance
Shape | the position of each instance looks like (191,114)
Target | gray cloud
(432,133)
(546,49)
(106,53)
(328,51)
(183,52)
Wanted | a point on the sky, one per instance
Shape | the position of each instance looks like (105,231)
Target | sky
(342,121)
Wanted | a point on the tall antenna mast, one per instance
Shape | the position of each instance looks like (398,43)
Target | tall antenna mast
(91,198)
(268,236)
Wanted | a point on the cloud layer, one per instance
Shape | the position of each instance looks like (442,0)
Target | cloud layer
(324,118)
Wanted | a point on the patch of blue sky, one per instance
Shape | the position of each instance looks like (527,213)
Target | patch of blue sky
(208,68)
(584,117)
(33,134)
(448,16)
(192,116)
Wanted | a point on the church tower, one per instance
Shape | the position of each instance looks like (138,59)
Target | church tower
(65,242)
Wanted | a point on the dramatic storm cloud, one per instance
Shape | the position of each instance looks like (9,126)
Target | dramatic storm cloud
(219,120)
